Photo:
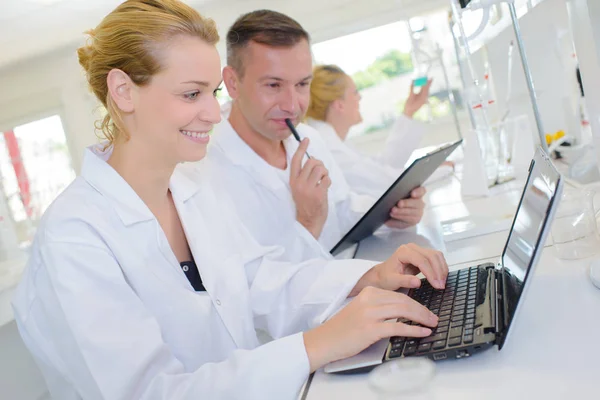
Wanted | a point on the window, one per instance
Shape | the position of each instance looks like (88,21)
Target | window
(382,62)
(35,166)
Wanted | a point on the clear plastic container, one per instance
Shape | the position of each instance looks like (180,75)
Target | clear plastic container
(405,378)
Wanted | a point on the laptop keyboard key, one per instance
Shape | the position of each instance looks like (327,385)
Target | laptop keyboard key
(456,324)
(435,303)
(442,329)
(433,338)
(397,345)
(410,350)
(462,297)
(468,338)
(460,314)
(455,332)
(424,347)
(395,353)
(454,341)
(440,344)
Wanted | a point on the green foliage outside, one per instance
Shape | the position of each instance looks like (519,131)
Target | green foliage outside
(437,108)
(389,65)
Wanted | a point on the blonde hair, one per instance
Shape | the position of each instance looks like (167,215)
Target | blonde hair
(130,39)
(329,83)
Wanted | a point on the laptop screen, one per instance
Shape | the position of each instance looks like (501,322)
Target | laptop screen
(527,232)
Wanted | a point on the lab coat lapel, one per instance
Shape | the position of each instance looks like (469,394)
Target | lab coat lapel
(240,154)
(221,269)
(332,140)
(132,211)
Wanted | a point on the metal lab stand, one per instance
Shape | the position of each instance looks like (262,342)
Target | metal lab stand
(418,54)
(526,70)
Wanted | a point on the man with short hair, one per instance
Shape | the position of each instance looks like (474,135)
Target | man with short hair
(285,196)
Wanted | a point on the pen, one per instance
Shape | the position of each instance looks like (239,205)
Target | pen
(288,122)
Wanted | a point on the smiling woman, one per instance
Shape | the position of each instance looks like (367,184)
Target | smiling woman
(159,72)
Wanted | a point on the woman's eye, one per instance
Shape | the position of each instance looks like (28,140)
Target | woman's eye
(216,91)
(192,95)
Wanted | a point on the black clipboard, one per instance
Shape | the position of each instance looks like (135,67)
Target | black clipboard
(412,177)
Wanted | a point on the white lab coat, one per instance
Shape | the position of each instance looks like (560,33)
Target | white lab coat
(263,197)
(108,314)
(373,175)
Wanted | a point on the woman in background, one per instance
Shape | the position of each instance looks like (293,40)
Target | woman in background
(334,109)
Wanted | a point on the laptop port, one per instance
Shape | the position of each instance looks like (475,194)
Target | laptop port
(439,356)
(462,353)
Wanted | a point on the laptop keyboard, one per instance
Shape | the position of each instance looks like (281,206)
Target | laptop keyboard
(455,307)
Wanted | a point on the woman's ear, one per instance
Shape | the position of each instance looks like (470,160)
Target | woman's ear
(120,87)
(337,105)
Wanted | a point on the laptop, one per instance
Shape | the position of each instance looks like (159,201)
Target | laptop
(412,177)
(480,303)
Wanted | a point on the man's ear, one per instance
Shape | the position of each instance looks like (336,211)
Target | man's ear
(120,87)
(232,81)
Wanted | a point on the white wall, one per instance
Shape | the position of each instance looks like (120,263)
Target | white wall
(50,84)
(585,22)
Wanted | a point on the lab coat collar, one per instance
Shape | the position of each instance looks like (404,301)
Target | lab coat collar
(328,134)
(128,205)
(240,154)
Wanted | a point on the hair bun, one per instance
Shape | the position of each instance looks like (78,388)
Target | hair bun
(86,52)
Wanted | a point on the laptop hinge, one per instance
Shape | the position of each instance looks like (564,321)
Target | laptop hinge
(487,311)
(499,293)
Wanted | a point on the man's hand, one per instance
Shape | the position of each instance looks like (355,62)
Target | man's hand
(309,185)
(408,212)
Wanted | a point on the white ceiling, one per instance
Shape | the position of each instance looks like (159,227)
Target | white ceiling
(29,28)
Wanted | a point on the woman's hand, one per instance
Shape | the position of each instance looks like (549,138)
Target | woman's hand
(369,317)
(399,270)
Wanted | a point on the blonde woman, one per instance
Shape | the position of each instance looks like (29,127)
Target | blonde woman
(334,109)
(143,284)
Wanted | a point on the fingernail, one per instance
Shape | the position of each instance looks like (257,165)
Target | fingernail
(433,318)
(426,331)
(440,284)
(415,282)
